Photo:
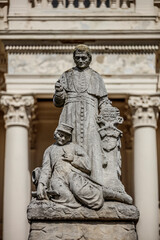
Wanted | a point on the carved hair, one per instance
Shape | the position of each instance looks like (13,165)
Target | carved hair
(82,49)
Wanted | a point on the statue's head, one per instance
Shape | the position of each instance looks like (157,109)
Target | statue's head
(82,56)
(63,134)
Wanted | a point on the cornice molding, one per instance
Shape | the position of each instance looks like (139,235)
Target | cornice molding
(82,35)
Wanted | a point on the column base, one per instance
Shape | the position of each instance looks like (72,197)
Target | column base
(52,221)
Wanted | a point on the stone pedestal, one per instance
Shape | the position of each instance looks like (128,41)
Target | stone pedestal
(114,221)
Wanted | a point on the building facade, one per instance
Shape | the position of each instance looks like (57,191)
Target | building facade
(37,38)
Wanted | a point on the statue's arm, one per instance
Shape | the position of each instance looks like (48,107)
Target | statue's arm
(44,176)
(46,168)
(60,94)
(103,101)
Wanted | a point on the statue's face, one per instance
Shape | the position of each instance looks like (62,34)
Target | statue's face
(82,60)
(62,138)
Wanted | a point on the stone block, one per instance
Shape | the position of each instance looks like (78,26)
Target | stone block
(51,221)
(82,231)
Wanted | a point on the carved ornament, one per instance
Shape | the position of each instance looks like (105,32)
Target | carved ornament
(145,110)
(18,109)
(68,48)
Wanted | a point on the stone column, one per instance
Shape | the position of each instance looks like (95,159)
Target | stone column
(145,113)
(17,111)
(145,6)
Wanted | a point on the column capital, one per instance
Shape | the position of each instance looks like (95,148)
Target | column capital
(18,109)
(145,110)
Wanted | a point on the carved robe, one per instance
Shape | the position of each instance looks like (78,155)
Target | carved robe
(83,96)
(69,179)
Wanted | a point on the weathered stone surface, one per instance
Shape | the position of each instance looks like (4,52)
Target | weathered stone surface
(82,231)
(80,173)
(111,211)
(54,63)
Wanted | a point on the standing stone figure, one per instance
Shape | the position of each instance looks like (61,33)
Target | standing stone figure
(82,94)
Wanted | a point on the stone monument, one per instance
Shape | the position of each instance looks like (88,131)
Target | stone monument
(79,194)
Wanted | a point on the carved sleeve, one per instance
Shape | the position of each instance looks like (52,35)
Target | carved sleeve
(46,168)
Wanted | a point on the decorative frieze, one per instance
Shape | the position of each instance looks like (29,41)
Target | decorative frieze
(145,110)
(48,4)
(18,109)
(67,49)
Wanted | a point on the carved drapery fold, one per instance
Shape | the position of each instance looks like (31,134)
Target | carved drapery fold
(145,110)
(18,109)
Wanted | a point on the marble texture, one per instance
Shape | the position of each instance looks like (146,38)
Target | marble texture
(104,64)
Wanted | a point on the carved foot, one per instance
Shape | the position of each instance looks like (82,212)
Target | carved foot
(110,194)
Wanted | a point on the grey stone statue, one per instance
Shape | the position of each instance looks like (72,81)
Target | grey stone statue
(84,165)
(82,94)
(79,193)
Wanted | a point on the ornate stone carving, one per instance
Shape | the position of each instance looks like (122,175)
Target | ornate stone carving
(18,109)
(88,146)
(108,120)
(145,110)
(82,169)
(68,48)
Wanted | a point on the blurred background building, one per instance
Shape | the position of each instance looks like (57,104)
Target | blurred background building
(37,38)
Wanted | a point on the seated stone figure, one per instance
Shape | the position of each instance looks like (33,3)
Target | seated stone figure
(64,176)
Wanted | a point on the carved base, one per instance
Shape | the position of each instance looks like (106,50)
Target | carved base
(50,221)
(82,231)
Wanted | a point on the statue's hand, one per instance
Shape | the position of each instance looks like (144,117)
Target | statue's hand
(41,192)
(58,87)
(68,157)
